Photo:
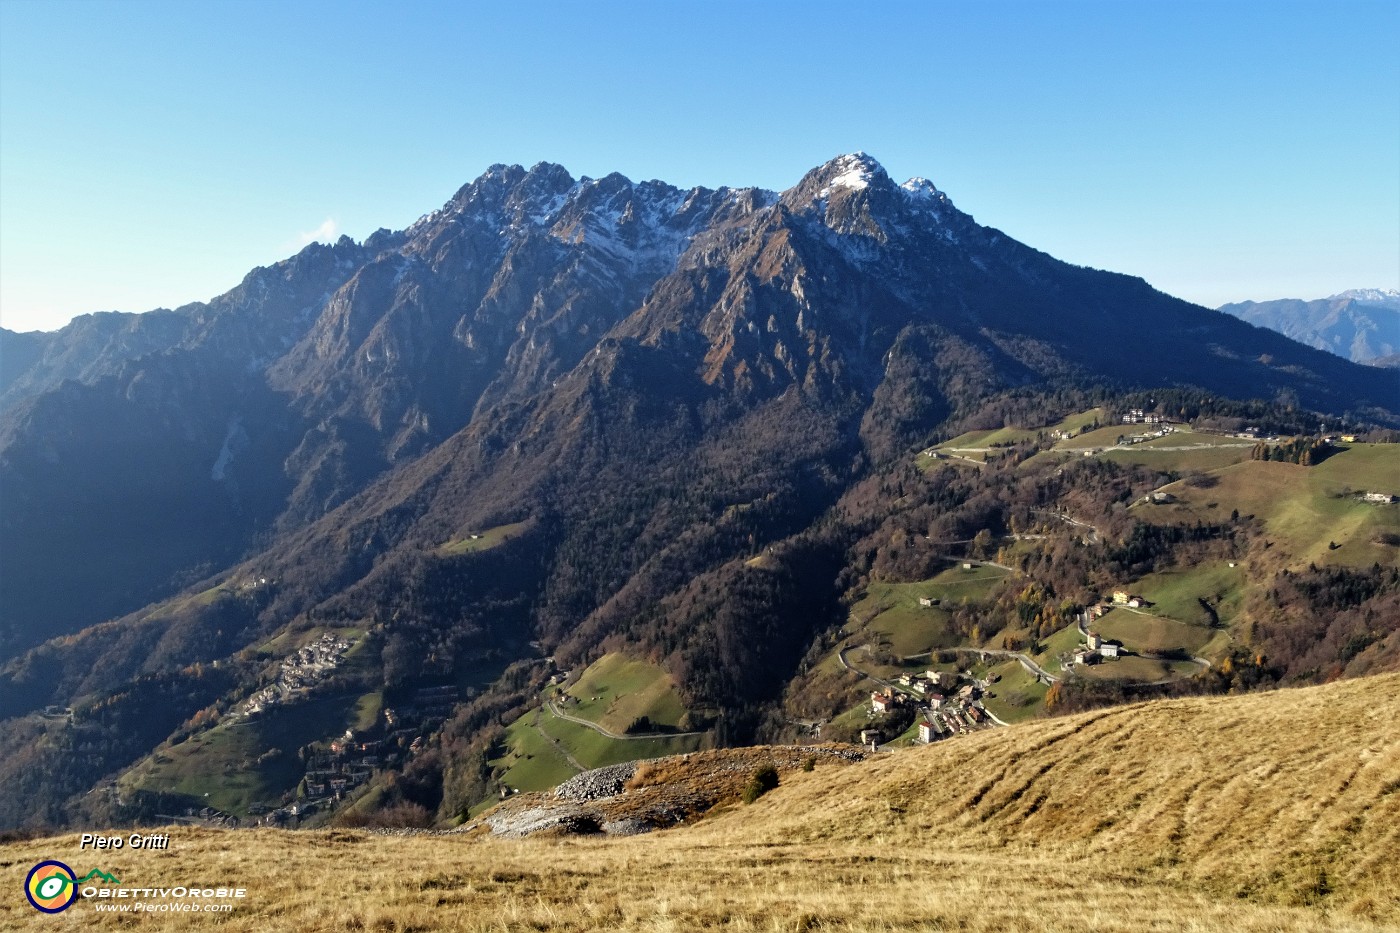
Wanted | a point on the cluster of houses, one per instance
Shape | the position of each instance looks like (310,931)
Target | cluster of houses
(1125,598)
(1138,416)
(941,714)
(299,673)
(1094,649)
(1129,440)
(288,816)
(950,720)
(927,686)
(351,760)
(204,816)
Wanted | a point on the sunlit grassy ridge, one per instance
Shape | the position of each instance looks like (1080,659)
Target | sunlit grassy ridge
(1277,811)
(616,689)
(1312,513)
(541,749)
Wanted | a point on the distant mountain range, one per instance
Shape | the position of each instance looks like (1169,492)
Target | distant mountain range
(500,339)
(555,416)
(1362,324)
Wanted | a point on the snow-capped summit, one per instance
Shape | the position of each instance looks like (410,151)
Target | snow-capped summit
(853,170)
(1370,295)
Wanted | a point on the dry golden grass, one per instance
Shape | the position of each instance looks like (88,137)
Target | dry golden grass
(1266,812)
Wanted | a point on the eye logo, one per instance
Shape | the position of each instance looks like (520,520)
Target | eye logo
(51,887)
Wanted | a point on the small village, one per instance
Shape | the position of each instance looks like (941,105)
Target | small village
(348,762)
(946,704)
(299,673)
(941,706)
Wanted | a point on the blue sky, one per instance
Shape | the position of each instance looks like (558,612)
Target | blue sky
(151,153)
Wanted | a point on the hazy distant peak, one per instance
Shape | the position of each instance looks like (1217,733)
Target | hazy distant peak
(1380,295)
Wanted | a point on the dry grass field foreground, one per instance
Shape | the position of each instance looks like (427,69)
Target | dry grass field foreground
(1274,811)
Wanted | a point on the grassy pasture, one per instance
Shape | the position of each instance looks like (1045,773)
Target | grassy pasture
(531,761)
(223,766)
(1304,509)
(1368,467)
(1201,459)
(907,628)
(1101,437)
(956,583)
(1061,643)
(1256,813)
(1014,435)
(464,543)
(1153,634)
(594,750)
(1144,670)
(1017,696)
(1176,594)
(625,689)
(896,620)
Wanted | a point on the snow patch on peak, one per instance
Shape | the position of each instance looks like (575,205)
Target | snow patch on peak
(920,188)
(855,170)
(1369,294)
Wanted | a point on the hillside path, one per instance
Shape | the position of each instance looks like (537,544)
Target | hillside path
(1094,534)
(1025,659)
(841,656)
(554,708)
(559,746)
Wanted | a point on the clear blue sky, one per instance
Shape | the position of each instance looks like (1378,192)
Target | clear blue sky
(151,153)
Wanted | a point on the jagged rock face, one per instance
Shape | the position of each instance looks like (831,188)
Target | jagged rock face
(489,300)
(538,322)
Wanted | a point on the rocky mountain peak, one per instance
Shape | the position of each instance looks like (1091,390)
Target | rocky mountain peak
(853,196)
(837,178)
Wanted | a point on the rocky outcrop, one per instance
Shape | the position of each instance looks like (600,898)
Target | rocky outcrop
(641,796)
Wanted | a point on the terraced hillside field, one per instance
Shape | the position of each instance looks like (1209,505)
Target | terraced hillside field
(1265,812)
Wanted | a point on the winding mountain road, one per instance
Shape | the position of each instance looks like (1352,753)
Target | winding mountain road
(1025,659)
(554,708)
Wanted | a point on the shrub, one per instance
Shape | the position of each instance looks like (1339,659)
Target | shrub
(809,764)
(762,781)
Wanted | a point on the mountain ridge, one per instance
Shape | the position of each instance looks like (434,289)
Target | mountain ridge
(694,409)
(1360,324)
(367,356)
